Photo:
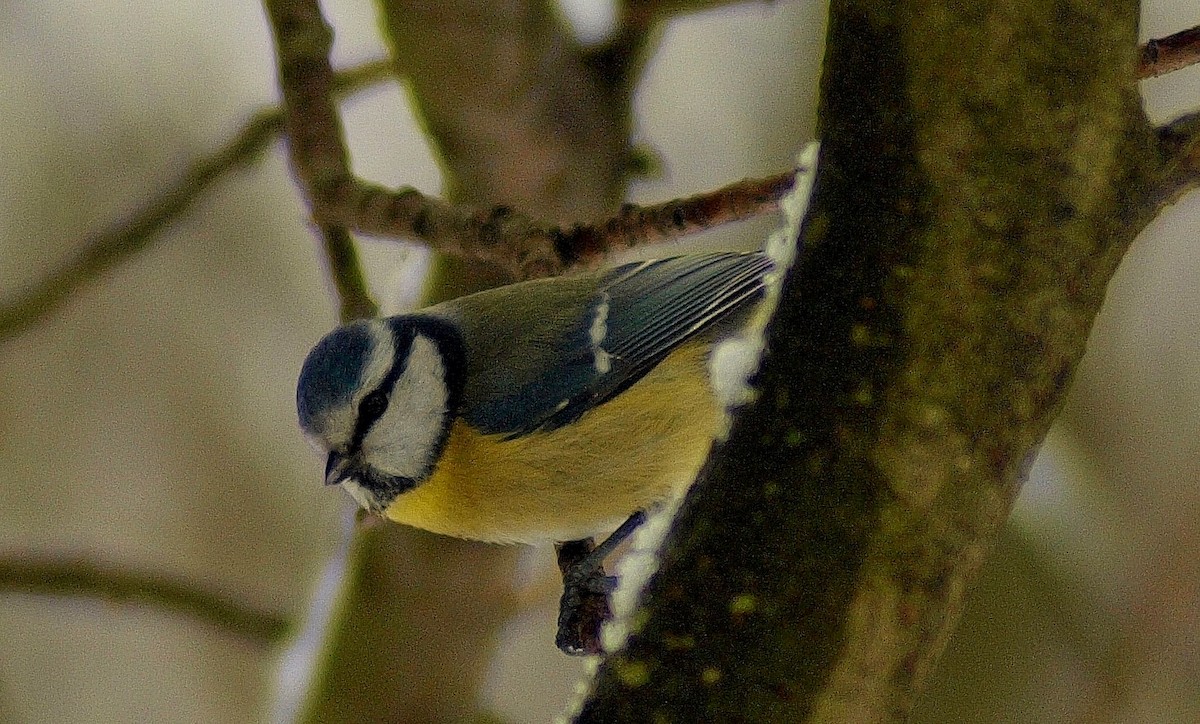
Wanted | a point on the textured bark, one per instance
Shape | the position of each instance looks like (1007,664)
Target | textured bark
(983,169)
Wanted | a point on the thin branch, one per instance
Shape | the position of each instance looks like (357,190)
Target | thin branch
(498,235)
(347,275)
(315,138)
(511,239)
(101,252)
(128,237)
(83,576)
(319,159)
(1169,54)
(639,225)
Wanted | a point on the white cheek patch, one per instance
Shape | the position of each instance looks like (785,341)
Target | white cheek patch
(403,441)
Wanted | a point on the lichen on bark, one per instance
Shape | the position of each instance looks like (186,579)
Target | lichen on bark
(983,169)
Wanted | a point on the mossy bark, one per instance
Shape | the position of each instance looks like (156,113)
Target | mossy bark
(984,166)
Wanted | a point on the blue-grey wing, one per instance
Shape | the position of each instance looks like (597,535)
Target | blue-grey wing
(629,321)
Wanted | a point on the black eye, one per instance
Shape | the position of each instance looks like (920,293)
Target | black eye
(372,407)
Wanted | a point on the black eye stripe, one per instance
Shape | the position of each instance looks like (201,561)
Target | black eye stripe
(375,403)
(372,407)
(447,341)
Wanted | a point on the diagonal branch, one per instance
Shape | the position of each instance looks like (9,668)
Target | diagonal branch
(106,249)
(319,159)
(496,234)
(137,232)
(354,298)
(638,225)
(1169,54)
(80,575)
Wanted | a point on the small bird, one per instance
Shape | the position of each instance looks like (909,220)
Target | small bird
(546,410)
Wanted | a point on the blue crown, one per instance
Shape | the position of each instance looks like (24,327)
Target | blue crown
(332,372)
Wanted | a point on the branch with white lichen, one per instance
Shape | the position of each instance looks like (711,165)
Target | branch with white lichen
(926,335)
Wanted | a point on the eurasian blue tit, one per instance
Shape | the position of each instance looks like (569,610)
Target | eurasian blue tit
(546,410)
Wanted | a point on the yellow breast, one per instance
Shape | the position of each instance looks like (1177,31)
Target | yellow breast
(638,448)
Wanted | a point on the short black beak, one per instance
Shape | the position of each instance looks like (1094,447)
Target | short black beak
(335,468)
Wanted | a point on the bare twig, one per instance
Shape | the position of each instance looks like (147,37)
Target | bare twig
(106,249)
(321,163)
(84,576)
(1165,55)
(499,235)
(128,237)
(638,225)
(509,238)
(317,151)
(346,273)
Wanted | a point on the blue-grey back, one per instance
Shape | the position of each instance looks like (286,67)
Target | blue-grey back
(542,353)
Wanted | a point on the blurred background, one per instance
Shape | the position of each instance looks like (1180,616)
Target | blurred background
(149,422)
